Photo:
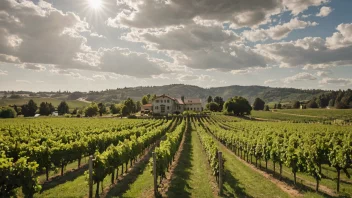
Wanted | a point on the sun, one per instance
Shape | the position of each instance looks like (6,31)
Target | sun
(95,4)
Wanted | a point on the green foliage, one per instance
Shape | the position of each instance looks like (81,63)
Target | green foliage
(312,104)
(212,106)
(210,99)
(130,105)
(266,108)
(220,102)
(63,108)
(115,109)
(258,104)
(46,108)
(238,105)
(29,109)
(102,108)
(91,110)
(7,112)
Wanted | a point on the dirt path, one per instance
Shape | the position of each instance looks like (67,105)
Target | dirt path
(300,115)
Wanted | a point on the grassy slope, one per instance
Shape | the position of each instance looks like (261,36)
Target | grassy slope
(241,181)
(192,177)
(71,103)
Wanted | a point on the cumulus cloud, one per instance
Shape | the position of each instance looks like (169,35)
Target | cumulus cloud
(309,52)
(342,38)
(304,76)
(240,13)
(24,81)
(276,32)
(192,77)
(249,70)
(324,11)
(340,81)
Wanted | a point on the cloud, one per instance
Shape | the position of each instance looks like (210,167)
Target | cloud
(323,73)
(3,73)
(191,77)
(270,81)
(31,66)
(304,76)
(99,76)
(340,81)
(73,74)
(324,11)
(310,52)
(240,13)
(276,32)
(249,70)
(342,38)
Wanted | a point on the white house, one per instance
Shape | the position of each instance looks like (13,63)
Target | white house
(165,104)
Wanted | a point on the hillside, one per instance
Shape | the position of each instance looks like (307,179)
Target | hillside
(268,94)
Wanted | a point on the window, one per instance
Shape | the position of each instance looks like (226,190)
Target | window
(168,107)
(168,101)
(162,107)
(157,101)
(164,101)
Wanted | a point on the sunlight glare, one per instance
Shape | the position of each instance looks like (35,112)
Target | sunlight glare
(95,4)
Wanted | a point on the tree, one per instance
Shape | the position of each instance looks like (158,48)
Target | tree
(279,106)
(183,98)
(238,105)
(296,104)
(102,108)
(220,102)
(275,106)
(114,109)
(266,108)
(29,109)
(130,105)
(7,112)
(138,106)
(91,110)
(145,100)
(312,104)
(212,106)
(258,104)
(44,109)
(124,110)
(63,108)
(210,99)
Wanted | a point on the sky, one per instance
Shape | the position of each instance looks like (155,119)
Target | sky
(84,45)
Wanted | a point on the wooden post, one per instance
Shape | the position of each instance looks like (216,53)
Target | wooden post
(155,176)
(220,172)
(90,163)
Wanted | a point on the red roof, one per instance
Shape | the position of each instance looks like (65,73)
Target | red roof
(147,105)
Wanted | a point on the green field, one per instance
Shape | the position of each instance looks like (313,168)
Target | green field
(58,143)
(20,101)
(305,115)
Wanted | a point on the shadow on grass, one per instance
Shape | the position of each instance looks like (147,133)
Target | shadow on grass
(124,185)
(232,182)
(68,176)
(182,172)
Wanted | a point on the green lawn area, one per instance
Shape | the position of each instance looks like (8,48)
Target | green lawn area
(20,101)
(192,176)
(241,181)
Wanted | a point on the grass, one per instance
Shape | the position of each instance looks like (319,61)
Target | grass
(192,176)
(20,101)
(241,181)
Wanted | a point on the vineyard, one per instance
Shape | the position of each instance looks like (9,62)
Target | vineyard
(199,156)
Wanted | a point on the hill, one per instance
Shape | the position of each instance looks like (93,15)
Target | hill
(268,94)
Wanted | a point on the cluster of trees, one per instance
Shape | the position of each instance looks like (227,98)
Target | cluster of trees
(259,104)
(148,98)
(124,108)
(238,106)
(215,104)
(338,99)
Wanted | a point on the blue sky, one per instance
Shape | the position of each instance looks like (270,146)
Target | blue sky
(103,44)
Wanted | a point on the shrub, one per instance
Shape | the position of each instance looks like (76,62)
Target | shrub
(7,112)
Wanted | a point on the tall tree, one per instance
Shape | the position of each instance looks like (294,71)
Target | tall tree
(29,109)
(220,102)
(210,99)
(130,105)
(44,109)
(63,108)
(312,104)
(145,100)
(102,108)
(114,109)
(213,106)
(91,110)
(258,104)
(138,106)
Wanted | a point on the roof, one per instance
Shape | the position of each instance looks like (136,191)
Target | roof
(166,96)
(147,105)
(179,101)
(193,101)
